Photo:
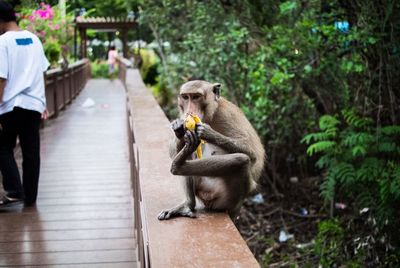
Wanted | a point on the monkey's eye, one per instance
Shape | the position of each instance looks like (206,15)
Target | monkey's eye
(185,97)
(196,97)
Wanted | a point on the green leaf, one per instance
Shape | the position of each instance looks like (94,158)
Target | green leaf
(287,7)
(328,122)
(359,151)
(322,146)
(307,68)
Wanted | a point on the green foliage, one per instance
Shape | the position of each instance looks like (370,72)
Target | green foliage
(111,8)
(49,25)
(99,69)
(149,65)
(52,50)
(286,64)
(329,242)
(362,165)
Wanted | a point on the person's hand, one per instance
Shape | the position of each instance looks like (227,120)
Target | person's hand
(45,114)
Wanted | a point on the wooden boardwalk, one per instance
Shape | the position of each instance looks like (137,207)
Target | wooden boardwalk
(84,212)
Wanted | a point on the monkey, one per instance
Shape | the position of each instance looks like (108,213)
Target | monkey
(233,155)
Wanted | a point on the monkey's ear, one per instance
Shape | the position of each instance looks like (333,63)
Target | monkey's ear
(216,90)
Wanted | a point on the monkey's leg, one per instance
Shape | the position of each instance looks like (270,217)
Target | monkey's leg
(187,208)
(213,166)
(230,145)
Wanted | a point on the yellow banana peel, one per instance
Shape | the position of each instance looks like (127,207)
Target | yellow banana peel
(190,123)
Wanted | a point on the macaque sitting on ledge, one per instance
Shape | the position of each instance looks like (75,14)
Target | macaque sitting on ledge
(232,155)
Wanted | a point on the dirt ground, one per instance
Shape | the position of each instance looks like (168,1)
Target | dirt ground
(296,212)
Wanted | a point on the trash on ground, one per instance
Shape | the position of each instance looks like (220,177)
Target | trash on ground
(257,199)
(283,236)
(306,245)
(303,211)
(340,206)
(364,210)
(88,103)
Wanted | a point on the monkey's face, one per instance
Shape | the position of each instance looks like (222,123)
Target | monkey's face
(198,98)
(191,103)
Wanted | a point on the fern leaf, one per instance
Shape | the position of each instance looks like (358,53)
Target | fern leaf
(356,121)
(324,162)
(322,146)
(359,151)
(369,170)
(328,186)
(391,130)
(327,122)
(345,173)
(384,189)
(395,184)
(387,147)
(319,136)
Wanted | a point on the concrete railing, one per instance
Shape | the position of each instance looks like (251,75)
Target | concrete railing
(62,85)
(211,239)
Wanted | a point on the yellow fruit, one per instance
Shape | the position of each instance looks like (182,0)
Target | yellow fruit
(196,118)
(190,124)
(199,152)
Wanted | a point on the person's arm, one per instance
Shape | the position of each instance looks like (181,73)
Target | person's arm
(2,87)
(45,113)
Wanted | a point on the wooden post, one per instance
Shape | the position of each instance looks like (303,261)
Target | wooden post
(81,48)
(125,43)
(85,43)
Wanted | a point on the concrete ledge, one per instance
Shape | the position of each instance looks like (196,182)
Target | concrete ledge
(211,240)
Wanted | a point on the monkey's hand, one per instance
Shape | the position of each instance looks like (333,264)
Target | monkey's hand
(192,141)
(178,127)
(205,132)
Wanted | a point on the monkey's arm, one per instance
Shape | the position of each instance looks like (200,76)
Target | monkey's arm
(175,146)
(177,143)
(213,166)
(230,145)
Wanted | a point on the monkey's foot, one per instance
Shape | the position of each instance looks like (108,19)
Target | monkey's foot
(180,211)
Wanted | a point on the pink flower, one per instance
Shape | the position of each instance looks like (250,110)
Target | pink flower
(46,12)
(56,27)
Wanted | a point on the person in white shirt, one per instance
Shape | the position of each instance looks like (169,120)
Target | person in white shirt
(22,107)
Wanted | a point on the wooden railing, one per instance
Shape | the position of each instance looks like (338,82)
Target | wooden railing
(62,85)
(123,65)
(210,240)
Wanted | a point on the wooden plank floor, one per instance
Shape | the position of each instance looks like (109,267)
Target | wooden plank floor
(84,213)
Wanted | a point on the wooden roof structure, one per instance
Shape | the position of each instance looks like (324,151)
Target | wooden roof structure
(104,23)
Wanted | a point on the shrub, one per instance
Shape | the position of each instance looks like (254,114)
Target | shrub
(47,23)
(329,242)
(99,69)
(52,50)
(362,167)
